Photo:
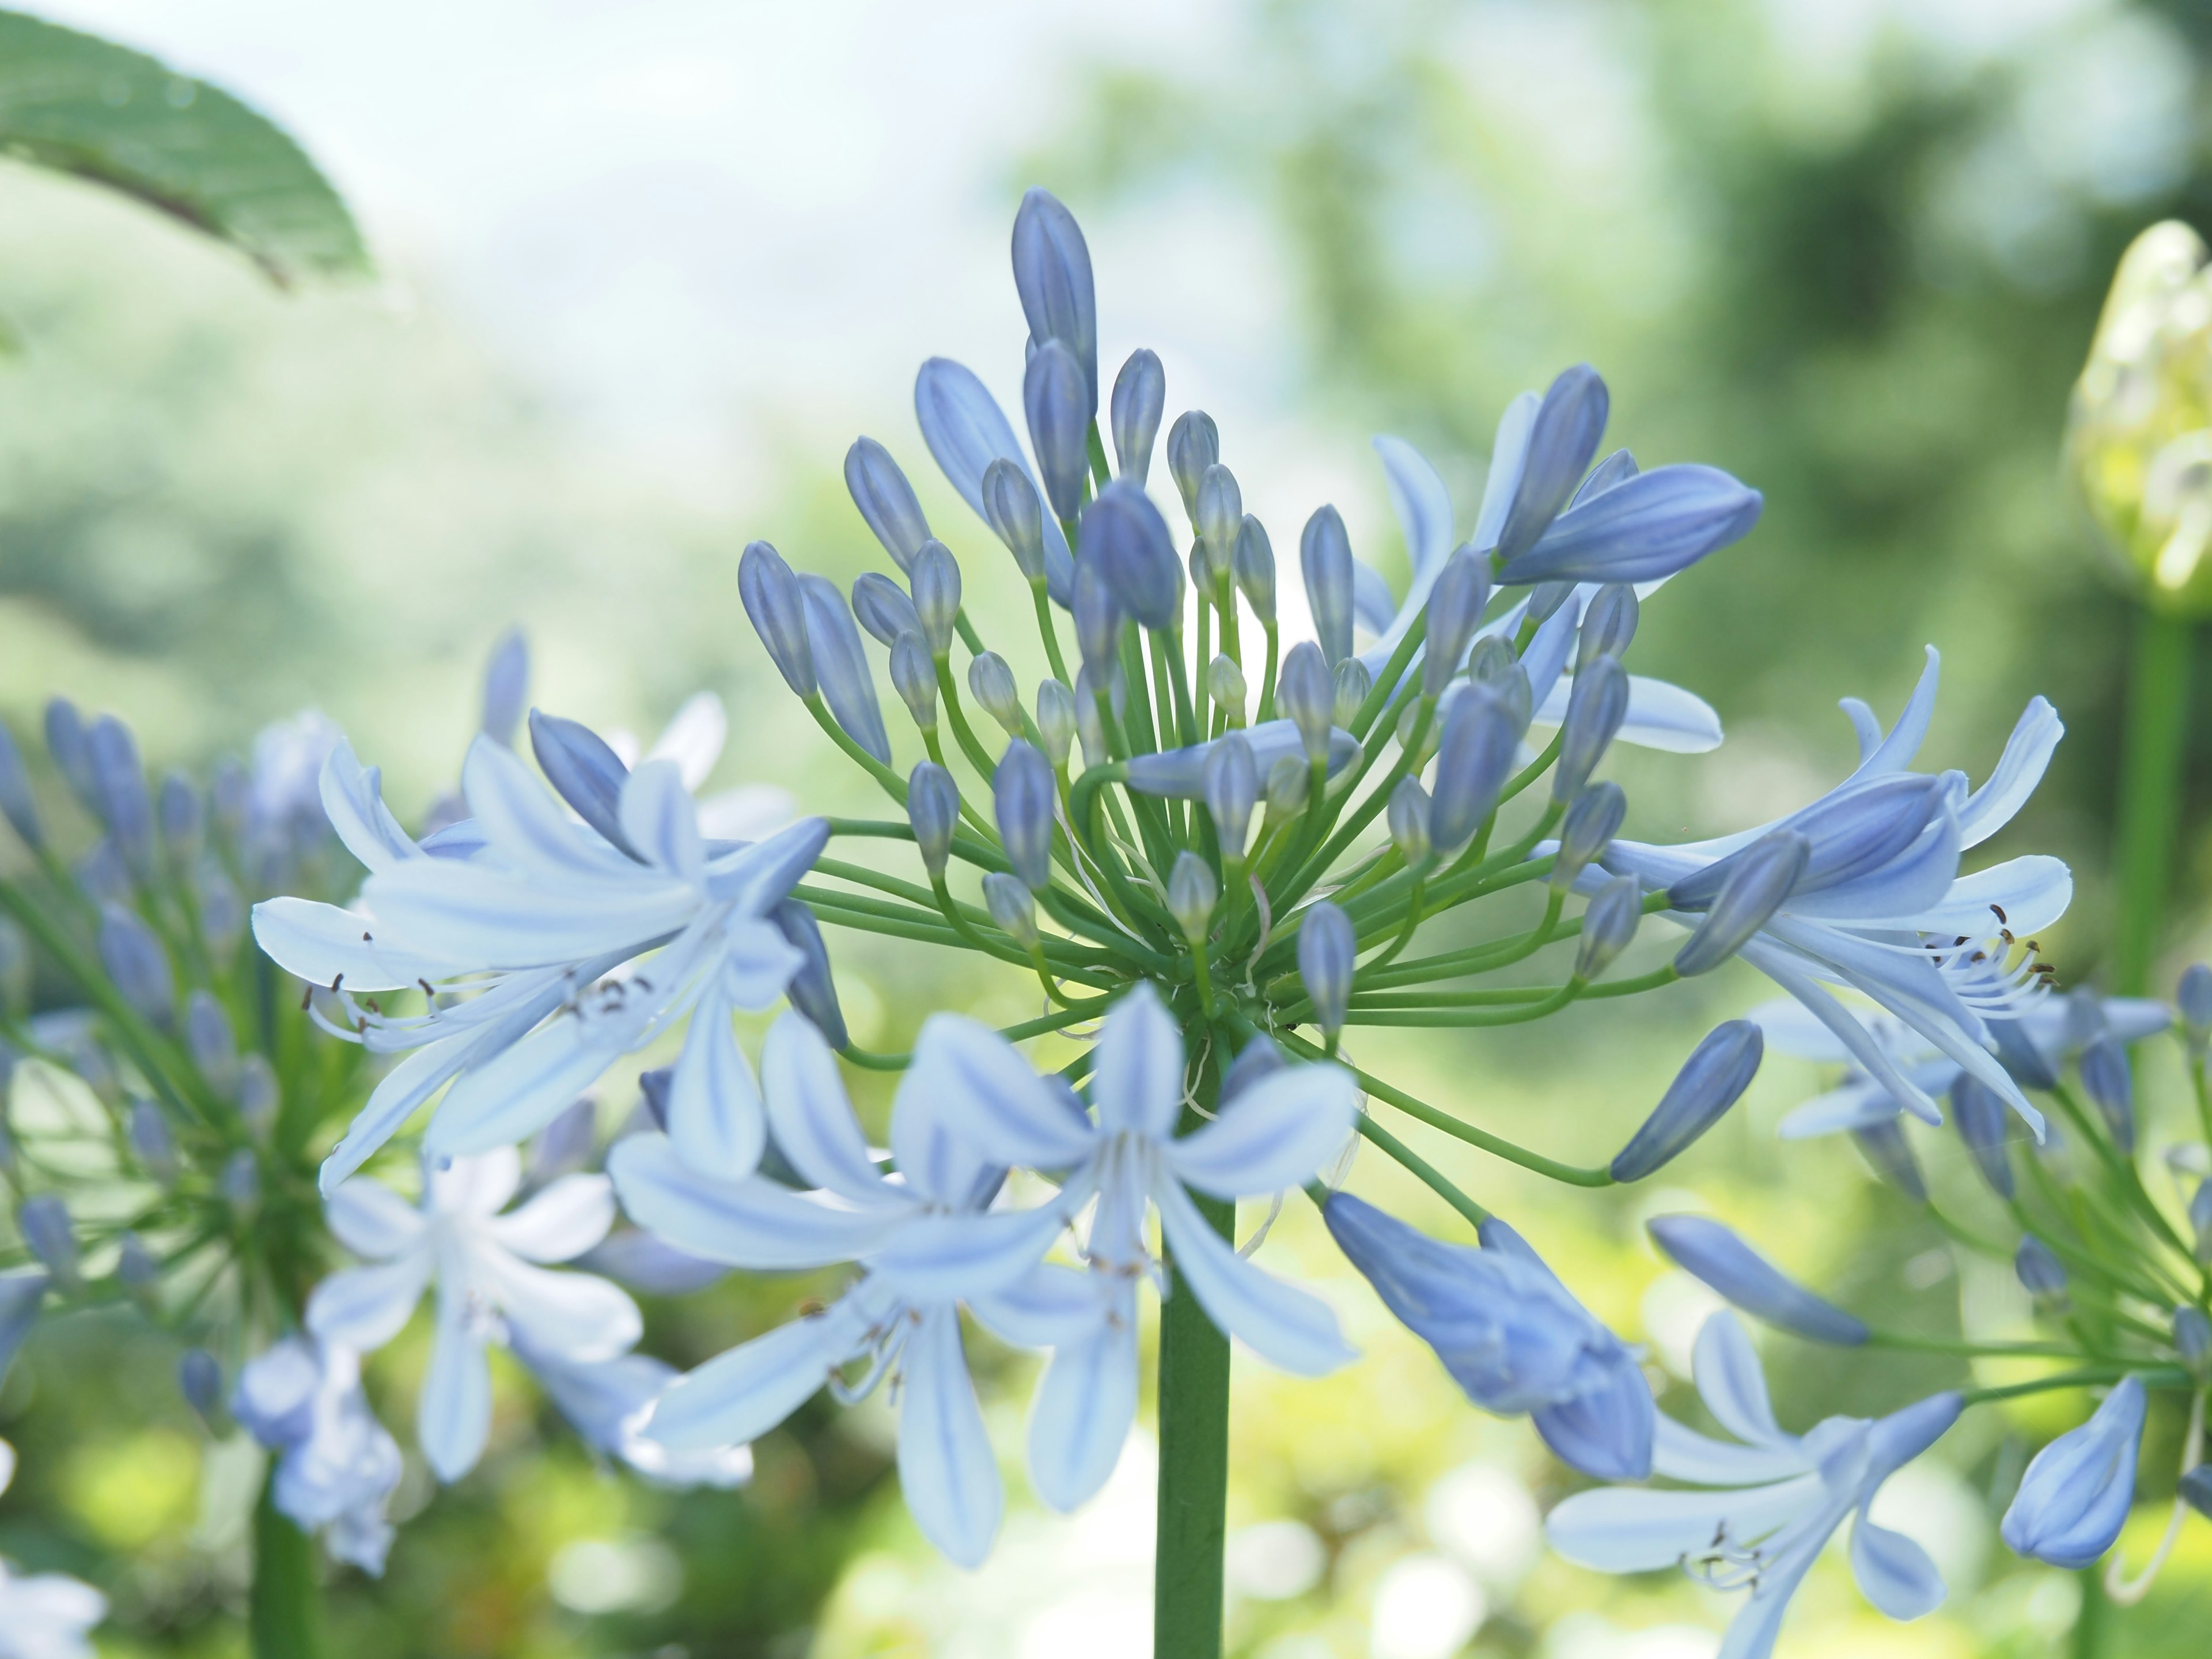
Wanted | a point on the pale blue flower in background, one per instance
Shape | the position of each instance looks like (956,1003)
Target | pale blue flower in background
(1771,1502)
(483,1266)
(2074,1498)
(44,1615)
(610,1402)
(337,1464)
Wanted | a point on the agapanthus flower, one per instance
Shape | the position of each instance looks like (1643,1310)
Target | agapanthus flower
(483,1266)
(337,1465)
(1880,907)
(609,1402)
(1768,1504)
(2074,1498)
(44,1615)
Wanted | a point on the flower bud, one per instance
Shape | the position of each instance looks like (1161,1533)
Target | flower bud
(1225,685)
(1545,599)
(1454,609)
(2106,1080)
(1350,682)
(1220,516)
(1022,795)
(1327,950)
(2192,1336)
(1561,442)
(886,501)
(1141,398)
(183,817)
(1407,816)
(1016,516)
(1325,558)
(1232,790)
(933,807)
(934,578)
(44,1223)
(222,913)
(1615,911)
(1710,1081)
(1194,445)
(992,683)
(1011,907)
(1598,702)
(778,610)
(1492,661)
(1057,400)
(2076,1493)
(506,687)
(1609,624)
(16,801)
(1708,1251)
(1474,760)
(811,990)
(151,1143)
(1097,748)
(1289,782)
(913,677)
(199,1379)
(841,666)
(1763,875)
(135,962)
(65,741)
(1052,274)
(1981,1116)
(239,1182)
(2200,1219)
(209,1039)
(1097,619)
(257,1096)
(126,808)
(2042,1273)
(1305,695)
(1890,1155)
(1201,568)
(1432,734)
(1124,536)
(1256,568)
(883,608)
(1587,830)
(135,1270)
(584,772)
(1055,720)
(1192,894)
(2194,998)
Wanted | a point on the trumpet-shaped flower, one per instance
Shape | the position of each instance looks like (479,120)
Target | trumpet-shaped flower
(1881,908)
(337,1464)
(44,1615)
(485,1266)
(550,946)
(1769,1503)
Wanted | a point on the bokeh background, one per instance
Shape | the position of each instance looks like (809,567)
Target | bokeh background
(645,269)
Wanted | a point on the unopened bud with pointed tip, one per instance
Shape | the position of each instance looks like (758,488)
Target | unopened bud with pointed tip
(199,1379)
(44,1223)
(1289,782)
(812,990)
(16,801)
(1492,661)
(1052,274)
(1981,1115)
(932,808)
(135,962)
(240,1183)
(1194,445)
(183,817)
(1455,606)
(1016,516)
(210,1041)
(1232,790)
(1192,894)
(135,1270)
(506,687)
(778,609)
(992,683)
(1328,953)
(2106,1080)
(127,805)
(1325,558)
(1024,793)
(1256,568)
(1546,598)
(1141,398)
(934,578)
(2040,1272)
(1126,539)
(1615,911)
(151,1143)
(1225,685)
(1474,759)
(883,608)
(1056,400)
(1710,1081)
(1889,1154)
(1305,695)
(1220,513)
(1709,1250)
(1097,746)
(1409,819)
(1609,624)
(1587,830)
(1763,876)
(1055,720)
(259,1097)
(1011,907)
(65,729)
(1097,617)
(2194,1002)
(1350,682)
(913,677)
(1596,705)
(886,500)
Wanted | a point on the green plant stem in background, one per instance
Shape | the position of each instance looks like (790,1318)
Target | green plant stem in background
(285,1611)
(2148,820)
(1194,1415)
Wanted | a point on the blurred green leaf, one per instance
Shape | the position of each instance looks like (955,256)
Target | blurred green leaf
(82,105)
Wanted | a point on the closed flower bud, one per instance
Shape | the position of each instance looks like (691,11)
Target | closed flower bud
(135,962)
(2195,1001)
(2076,1493)
(913,677)
(935,579)
(1289,782)
(1232,790)
(2192,1336)
(1546,598)
(778,610)
(209,1038)
(199,1379)
(222,912)
(1562,440)
(102,876)
(1350,682)
(1763,874)
(184,818)
(135,1270)
(1052,274)
(126,807)
(841,666)
(1325,558)
(1710,1081)
(1455,606)
(1055,397)
(1011,907)
(1141,398)
(1097,748)
(1431,731)
(65,741)
(1587,830)
(883,608)
(933,807)
(1474,759)
(44,1223)
(1327,950)
(1194,445)
(2042,1273)
(2106,1080)
(1055,720)
(1408,815)
(1256,568)
(1609,624)
(1220,515)
(1192,894)
(506,687)
(1097,619)
(1890,1155)
(1225,685)
(811,990)
(16,801)
(1615,911)
(1711,1253)
(151,1143)
(1016,516)
(1022,795)
(584,771)
(257,1096)
(1981,1116)
(240,1183)
(1306,696)
(1492,661)
(886,500)
(992,683)
(1124,538)
(1596,705)
(1201,568)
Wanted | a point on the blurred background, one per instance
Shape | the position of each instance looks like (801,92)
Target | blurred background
(646,269)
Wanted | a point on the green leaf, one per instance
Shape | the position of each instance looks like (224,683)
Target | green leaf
(85,106)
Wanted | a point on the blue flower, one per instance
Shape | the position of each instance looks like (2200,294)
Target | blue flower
(2074,1498)
(44,1615)
(337,1465)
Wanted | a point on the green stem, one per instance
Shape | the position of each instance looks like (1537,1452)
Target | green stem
(2149,808)
(284,1609)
